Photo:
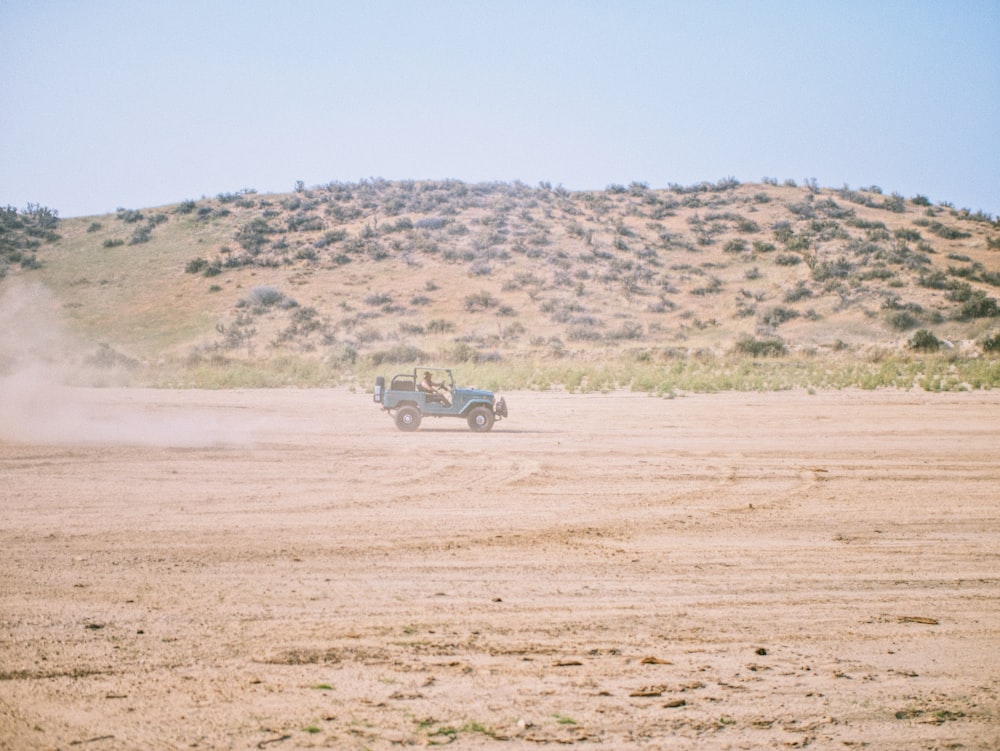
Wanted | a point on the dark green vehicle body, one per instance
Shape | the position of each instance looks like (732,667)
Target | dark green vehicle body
(408,405)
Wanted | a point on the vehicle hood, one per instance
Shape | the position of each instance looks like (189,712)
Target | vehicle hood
(475,394)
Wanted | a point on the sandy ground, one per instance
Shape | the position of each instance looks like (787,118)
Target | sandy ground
(284,569)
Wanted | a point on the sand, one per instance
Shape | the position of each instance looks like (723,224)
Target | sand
(285,569)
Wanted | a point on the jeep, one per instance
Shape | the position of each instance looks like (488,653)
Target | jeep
(431,392)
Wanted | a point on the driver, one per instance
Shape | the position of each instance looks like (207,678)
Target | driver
(429,387)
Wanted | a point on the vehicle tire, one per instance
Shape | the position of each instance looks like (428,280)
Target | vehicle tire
(408,418)
(480,419)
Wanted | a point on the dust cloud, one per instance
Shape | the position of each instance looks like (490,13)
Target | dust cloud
(55,389)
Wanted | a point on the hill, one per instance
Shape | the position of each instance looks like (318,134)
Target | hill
(715,285)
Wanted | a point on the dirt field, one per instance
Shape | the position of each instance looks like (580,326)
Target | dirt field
(284,569)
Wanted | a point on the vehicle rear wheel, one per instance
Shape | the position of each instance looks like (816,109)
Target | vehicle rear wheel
(480,419)
(408,418)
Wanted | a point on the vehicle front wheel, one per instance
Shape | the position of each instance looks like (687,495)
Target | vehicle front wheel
(408,418)
(480,419)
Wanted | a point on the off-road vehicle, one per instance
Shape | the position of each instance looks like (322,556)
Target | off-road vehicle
(431,392)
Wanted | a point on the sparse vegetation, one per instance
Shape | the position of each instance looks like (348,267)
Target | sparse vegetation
(480,301)
(266,296)
(948,232)
(537,286)
(924,341)
(401,353)
(901,320)
(991,343)
(978,305)
(24,232)
(766,347)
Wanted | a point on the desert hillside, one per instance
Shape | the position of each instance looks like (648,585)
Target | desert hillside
(715,285)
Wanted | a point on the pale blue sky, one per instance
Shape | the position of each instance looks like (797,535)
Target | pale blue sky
(136,103)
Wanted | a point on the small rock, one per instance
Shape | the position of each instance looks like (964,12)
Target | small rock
(649,691)
(655,661)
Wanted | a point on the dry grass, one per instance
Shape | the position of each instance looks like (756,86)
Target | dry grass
(626,287)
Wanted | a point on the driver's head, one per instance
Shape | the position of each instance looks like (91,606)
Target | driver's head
(427,374)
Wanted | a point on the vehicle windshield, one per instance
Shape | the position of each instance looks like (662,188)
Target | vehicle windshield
(438,376)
